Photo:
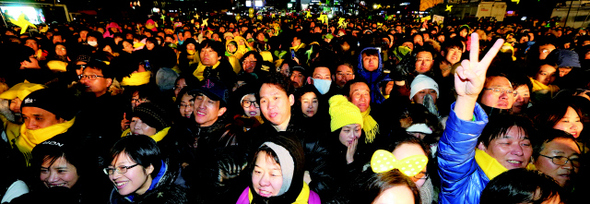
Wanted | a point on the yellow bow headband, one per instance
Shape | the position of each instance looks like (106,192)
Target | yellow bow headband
(384,161)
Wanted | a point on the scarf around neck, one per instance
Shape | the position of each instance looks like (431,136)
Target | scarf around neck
(370,126)
(201,68)
(28,139)
(490,166)
(302,198)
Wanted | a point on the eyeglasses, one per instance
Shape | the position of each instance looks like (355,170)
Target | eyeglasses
(250,62)
(561,160)
(344,74)
(81,66)
(421,175)
(140,100)
(501,91)
(186,105)
(119,169)
(89,77)
(247,104)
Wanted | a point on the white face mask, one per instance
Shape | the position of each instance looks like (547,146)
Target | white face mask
(322,85)
(92,43)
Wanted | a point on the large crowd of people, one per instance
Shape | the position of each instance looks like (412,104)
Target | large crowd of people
(294,109)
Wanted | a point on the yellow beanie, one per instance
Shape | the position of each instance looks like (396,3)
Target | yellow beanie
(343,113)
(20,90)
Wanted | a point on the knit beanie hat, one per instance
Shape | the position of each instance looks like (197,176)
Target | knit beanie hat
(55,101)
(343,113)
(422,82)
(565,58)
(153,115)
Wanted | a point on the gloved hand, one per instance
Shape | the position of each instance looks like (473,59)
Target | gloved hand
(229,168)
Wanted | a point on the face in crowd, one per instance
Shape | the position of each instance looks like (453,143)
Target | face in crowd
(523,97)
(370,62)
(309,104)
(267,177)
(95,81)
(498,93)
(344,73)
(512,149)
(570,123)
(360,96)
(37,118)
(187,104)
(58,173)
(128,176)
(208,56)
(424,62)
(546,74)
(207,110)
(275,104)
(349,134)
(250,105)
(560,159)
(138,127)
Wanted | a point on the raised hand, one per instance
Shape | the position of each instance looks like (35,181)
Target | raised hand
(351,149)
(470,77)
(471,74)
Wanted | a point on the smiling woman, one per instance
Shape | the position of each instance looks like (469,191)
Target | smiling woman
(59,171)
(139,173)
(277,174)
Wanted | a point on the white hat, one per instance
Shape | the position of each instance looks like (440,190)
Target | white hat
(422,82)
(419,127)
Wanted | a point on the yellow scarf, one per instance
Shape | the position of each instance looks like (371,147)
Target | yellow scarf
(137,79)
(538,86)
(157,137)
(298,47)
(160,135)
(28,139)
(12,130)
(490,166)
(301,199)
(370,126)
(201,68)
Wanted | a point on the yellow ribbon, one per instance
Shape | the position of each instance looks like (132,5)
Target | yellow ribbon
(384,161)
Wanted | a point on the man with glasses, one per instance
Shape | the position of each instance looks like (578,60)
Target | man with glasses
(558,156)
(101,112)
(497,95)
(344,73)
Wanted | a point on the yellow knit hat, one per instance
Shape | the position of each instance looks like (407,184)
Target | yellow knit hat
(343,113)
(20,90)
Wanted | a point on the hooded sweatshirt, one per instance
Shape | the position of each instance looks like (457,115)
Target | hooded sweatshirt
(373,78)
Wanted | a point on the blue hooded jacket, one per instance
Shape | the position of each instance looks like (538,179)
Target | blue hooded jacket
(373,78)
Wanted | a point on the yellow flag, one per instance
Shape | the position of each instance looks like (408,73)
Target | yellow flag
(22,23)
